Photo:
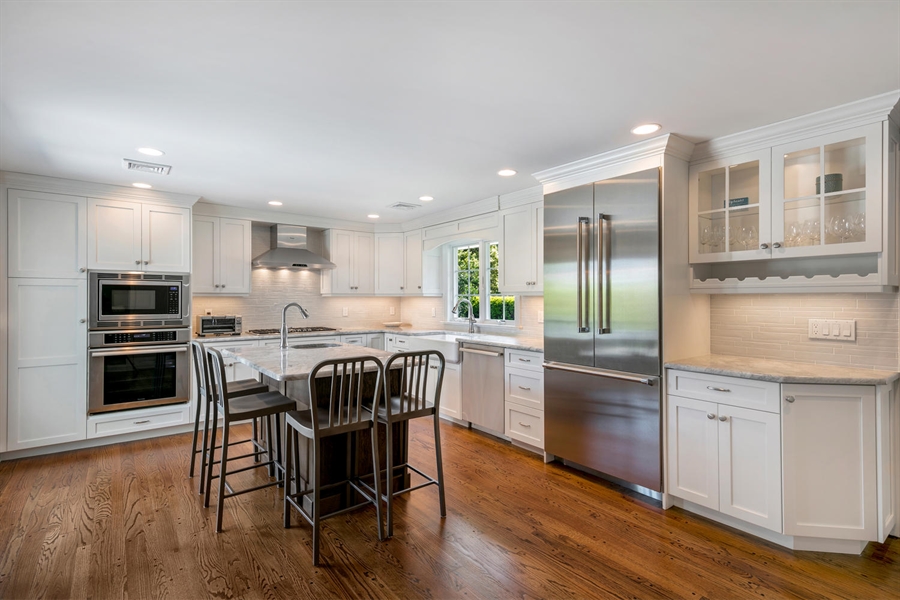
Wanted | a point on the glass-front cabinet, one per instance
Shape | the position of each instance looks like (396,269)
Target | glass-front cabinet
(731,208)
(827,194)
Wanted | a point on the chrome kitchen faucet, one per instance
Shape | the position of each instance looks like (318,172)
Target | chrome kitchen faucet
(284,327)
(471,312)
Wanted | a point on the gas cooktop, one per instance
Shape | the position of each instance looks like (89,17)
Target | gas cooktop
(290,330)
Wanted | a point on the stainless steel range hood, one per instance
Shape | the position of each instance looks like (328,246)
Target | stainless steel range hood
(290,251)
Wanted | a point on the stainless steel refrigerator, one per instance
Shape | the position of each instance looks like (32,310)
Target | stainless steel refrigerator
(602,401)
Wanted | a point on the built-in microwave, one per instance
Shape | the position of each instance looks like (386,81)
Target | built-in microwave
(134,300)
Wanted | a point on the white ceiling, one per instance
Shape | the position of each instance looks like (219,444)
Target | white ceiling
(339,109)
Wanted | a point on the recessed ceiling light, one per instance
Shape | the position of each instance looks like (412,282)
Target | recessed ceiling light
(143,186)
(646,128)
(275,203)
(150,151)
(506,172)
(373,216)
(426,198)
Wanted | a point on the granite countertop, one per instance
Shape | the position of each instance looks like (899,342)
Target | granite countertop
(296,363)
(781,371)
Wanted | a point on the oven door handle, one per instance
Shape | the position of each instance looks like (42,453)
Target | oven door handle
(144,350)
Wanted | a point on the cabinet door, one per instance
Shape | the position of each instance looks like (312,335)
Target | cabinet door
(375,340)
(234,256)
(693,465)
(47,362)
(47,235)
(829,436)
(205,255)
(517,250)
(750,465)
(166,238)
(389,264)
(538,217)
(364,263)
(412,248)
(827,194)
(339,247)
(114,235)
(451,397)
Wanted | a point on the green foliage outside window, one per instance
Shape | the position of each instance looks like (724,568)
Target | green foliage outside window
(468,283)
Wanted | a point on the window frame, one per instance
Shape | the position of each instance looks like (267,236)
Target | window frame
(484,293)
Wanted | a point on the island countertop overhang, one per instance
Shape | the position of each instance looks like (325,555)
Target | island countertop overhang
(295,364)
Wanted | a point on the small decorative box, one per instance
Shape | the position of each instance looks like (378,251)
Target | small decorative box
(738,202)
(834,182)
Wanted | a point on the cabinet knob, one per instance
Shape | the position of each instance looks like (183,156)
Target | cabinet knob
(82,320)
(776,245)
(217,285)
(223,286)
(788,398)
(137,262)
(420,287)
(710,416)
(401,287)
(763,246)
(723,418)
(82,270)
(146,262)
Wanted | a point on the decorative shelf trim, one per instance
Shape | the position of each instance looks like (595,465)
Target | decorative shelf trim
(797,284)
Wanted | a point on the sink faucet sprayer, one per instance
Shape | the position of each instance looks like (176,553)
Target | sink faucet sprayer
(284,328)
(471,312)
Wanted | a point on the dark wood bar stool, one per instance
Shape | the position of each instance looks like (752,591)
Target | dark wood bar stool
(419,396)
(342,413)
(243,387)
(241,408)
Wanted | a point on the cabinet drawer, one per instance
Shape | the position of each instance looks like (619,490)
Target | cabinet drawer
(733,391)
(354,340)
(525,424)
(525,360)
(525,388)
(129,422)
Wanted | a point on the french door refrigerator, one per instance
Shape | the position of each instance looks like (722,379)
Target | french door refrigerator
(602,400)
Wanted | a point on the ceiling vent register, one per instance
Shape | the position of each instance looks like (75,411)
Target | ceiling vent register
(129,164)
(404,206)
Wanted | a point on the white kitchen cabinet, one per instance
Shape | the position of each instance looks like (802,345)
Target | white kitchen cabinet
(524,397)
(389,257)
(422,270)
(522,249)
(221,256)
(353,254)
(145,419)
(130,236)
(47,235)
(354,339)
(451,395)
(375,340)
(829,437)
(47,364)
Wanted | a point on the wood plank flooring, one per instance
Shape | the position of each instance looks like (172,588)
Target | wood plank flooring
(125,521)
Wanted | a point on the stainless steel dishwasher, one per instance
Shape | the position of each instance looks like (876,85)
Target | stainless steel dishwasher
(482,386)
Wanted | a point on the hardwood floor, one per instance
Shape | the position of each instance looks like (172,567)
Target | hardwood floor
(126,521)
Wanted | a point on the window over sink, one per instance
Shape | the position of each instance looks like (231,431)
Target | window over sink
(475,277)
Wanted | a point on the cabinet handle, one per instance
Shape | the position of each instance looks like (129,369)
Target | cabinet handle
(82,270)
(146,262)
(217,285)
(82,320)
(789,398)
(710,416)
(527,389)
(524,424)
(717,389)
(137,262)
(401,287)
(435,368)
(763,246)
(142,422)
(723,418)
(524,360)
(223,285)
(420,287)
(776,245)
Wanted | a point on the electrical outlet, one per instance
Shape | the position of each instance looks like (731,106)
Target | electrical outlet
(208,312)
(345,311)
(830,329)
(540,316)
(433,312)
(392,310)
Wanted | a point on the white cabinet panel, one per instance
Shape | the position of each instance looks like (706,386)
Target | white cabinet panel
(525,388)
(131,421)
(364,263)
(525,424)
(828,436)
(354,340)
(517,250)
(389,264)
(734,391)
(451,395)
(47,400)
(205,255)
(47,235)
(539,245)
(234,256)
(375,340)
(412,247)
(114,235)
(693,451)
(166,238)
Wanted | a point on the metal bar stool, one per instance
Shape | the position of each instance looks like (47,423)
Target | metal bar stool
(241,408)
(344,413)
(243,387)
(419,396)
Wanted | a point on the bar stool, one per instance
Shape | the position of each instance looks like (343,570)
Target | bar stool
(419,396)
(241,408)
(242,387)
(343,414)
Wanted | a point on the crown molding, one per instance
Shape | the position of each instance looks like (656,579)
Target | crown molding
(522,197)
(262,216)
(472,209)
(592,168)
(40,183)
(845,116)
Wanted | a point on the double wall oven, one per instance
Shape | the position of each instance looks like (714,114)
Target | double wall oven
(139,341)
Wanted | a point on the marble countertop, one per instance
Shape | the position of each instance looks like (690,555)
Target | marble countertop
(781,371)
(296,363)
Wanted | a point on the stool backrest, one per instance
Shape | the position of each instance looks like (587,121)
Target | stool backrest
(344,407)
(219,385)
(417,370)
(201,371)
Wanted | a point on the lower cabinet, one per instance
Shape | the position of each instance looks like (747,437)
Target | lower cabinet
(375,340)
(451,396)
(234,369)
(524,397)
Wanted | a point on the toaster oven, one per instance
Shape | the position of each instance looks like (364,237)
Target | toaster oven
(222,325)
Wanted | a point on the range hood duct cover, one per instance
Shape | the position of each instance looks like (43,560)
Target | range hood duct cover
(290,251)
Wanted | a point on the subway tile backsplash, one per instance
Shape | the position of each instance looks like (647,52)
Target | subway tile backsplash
(776,326)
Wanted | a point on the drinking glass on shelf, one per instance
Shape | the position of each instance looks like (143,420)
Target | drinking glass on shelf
(858,227)
(705,236)
(812,231)
(748,237)
(794,235)
(718,237)
(839,227)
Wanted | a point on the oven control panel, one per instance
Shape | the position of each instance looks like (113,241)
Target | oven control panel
(138,337)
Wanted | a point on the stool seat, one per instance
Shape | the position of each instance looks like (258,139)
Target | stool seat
(246,386)
(259,405)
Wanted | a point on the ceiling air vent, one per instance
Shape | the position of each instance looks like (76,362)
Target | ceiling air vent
(404,206)
(129,164)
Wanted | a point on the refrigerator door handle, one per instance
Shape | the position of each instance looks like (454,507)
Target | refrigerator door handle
(603,266)
(554,366)
(581,267)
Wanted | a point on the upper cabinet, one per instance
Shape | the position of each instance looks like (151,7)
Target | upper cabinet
(522,249)
(47,235)
(132,236)
(812,211)
(421,270)
(353,254)
(221,256)
(389,278)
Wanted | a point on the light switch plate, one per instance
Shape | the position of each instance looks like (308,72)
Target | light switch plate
(540,316)
(392,310)
(346,311)
(433,312)
(831,329)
